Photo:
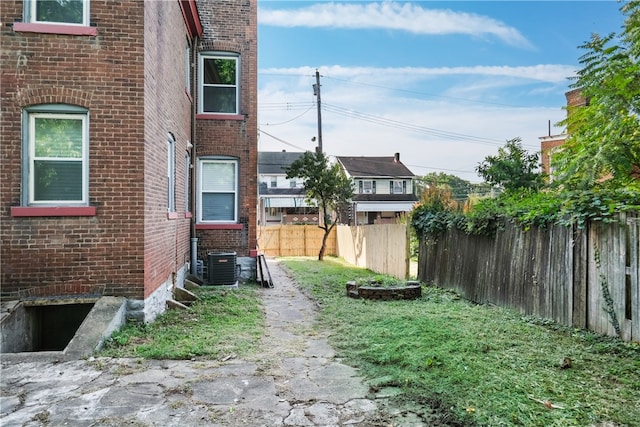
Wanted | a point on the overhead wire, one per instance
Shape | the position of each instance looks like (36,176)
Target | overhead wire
(409,126)
(290,120)
(432,168)
(382,121)
(415,92)
(260,130)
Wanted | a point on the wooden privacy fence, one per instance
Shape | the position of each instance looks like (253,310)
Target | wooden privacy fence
(294,240)
(586,278)
(383,248)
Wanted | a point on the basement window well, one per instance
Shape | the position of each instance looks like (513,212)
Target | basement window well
(49,325)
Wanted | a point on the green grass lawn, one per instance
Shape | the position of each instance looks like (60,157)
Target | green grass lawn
(222,323)
(489,365)
(484,365)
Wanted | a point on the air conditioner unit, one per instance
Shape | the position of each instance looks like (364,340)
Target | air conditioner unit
(221,268)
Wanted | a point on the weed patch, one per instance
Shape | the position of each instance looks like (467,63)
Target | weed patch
(486,365)
(219,324)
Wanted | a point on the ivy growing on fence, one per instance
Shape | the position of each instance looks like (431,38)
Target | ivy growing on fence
(527,208)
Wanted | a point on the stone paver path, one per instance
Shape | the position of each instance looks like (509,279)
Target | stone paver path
(296,381)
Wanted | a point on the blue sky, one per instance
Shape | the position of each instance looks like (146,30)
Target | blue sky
(443,83)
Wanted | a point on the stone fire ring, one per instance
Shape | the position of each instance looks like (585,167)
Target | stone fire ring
(412,290)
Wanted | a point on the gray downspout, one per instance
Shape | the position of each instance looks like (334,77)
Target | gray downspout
(193,195)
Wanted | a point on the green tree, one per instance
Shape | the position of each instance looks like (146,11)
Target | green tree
(459,188)
(324,184)
(512,168)
(604,135)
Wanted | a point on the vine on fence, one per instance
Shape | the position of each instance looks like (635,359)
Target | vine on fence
(604,285)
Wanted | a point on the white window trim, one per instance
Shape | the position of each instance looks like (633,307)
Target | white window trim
(187,55)
(201,161)
(30,11)
(364,185)
(187,181)
(399,183)
(217,55)
(53,111)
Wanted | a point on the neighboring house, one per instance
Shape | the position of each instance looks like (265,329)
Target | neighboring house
(383,188)
(550,143)
(128,131)
(282,200)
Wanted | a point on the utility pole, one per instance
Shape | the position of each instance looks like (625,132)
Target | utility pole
(316,92)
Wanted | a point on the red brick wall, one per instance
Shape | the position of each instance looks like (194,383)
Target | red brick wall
(130,247)
(546,147)
(231,25)
(167,109)
(575,99)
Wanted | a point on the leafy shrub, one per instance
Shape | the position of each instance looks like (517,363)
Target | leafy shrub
(529,208)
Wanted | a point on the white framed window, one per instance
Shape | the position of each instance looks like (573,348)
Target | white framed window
(274,182)
(71,12)
(171,173)
(55,155)
(187,58)
(293,183)
(367,187)
(187,182)
(398,186)
(217,190)
(218,91)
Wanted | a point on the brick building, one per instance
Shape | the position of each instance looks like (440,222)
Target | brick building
(549,143)
(128,130)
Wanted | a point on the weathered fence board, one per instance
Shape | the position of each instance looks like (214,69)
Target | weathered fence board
(556,273)
(633,277)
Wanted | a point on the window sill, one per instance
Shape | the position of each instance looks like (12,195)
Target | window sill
(32,211)
(188,215)
(72,30)
(219,226)
(172,215)
(210,116)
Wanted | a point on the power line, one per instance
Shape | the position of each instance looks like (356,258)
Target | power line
(412,127)
(432,168)
(290,120)
(288,106)
(282,140)
(426,93)
(383,121)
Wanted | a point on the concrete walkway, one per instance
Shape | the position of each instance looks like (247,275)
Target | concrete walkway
(297,381)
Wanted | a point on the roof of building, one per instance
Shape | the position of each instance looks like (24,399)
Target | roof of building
(274,162)
(375,167)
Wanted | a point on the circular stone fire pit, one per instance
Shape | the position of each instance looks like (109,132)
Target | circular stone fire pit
(410,290)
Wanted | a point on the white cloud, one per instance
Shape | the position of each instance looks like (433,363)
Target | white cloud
(551,73)
(430,133)
(392,16)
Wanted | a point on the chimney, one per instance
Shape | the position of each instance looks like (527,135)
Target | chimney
(396,158)
(575,98)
